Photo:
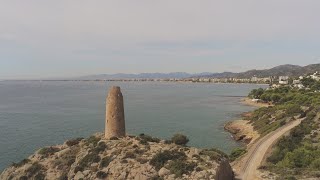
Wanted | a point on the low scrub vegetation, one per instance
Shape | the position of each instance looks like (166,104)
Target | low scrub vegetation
(73,142)
(105,162)
(48,151)
(236,153)
(92,157)
(214,154)
(35,170)
(92,140)
(180,167)
(180,139)
(147,138)
(159,159)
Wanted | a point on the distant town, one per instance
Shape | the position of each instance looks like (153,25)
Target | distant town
(274,81)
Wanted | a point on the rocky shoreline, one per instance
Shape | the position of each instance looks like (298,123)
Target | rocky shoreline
(242,131)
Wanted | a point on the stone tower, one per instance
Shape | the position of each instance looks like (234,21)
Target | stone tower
(115,124)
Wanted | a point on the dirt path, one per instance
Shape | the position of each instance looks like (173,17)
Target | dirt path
(246,167)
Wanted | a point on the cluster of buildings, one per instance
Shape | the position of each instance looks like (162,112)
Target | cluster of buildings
(285,80)
(273,80)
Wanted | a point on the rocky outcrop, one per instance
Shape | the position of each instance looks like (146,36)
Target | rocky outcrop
(115,122)
(242,130)
(142,157)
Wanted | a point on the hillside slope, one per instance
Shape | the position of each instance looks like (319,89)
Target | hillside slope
(282,70)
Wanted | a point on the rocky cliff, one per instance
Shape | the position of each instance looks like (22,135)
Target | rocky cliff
(141,157)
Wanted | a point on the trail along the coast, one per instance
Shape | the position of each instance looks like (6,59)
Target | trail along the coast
(246,167)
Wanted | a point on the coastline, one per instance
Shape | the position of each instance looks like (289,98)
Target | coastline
(241,129)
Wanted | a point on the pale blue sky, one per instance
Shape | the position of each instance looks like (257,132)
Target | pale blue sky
(64,38)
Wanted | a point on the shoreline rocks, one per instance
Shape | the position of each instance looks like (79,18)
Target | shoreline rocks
(242,131)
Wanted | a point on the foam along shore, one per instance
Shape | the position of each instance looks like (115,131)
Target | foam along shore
(242,130)
(254,102)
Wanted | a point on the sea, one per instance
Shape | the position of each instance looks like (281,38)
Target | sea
(34,114)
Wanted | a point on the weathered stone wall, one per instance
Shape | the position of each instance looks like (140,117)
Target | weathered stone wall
(115,120)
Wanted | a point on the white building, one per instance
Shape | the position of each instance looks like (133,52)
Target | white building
(254,79)
(283,80)
(316,76)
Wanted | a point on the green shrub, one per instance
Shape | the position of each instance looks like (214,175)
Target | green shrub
(48,151)
(35,168)
(221,153)
(180,139)
(90,158)
(315,164)
(159,159)
(283,122)
(213,155)
(39,176)
(92,140)
(290,178)
(100,147)
(237,152)
(101,175)
(147,138)
(293,109)
(129,155)
(180,167)
(78,168)
(65,162)
(143,142)
(276,156)
(142,160)
(73,142)
(105,162)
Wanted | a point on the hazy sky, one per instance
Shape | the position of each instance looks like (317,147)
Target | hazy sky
(62,38)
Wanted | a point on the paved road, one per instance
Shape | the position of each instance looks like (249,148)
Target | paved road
(257,152)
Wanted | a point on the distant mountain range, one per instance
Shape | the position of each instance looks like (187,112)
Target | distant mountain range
(282,70)
(144,76)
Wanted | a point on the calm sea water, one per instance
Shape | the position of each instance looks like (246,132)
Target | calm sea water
(37,114)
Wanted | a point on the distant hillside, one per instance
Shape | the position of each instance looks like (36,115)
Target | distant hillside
(282,70)
(142,76)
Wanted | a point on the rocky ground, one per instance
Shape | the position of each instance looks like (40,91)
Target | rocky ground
(141,157)
(242,130)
